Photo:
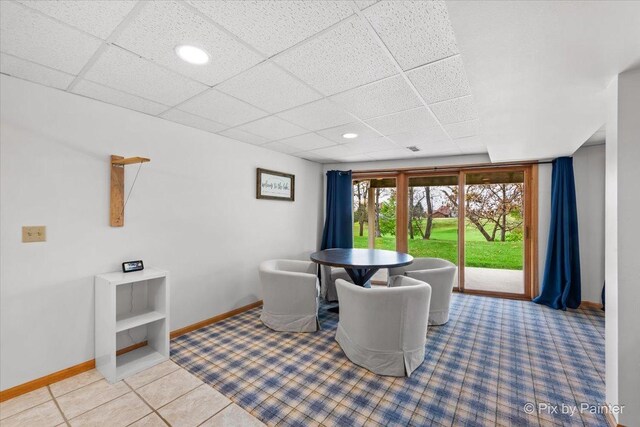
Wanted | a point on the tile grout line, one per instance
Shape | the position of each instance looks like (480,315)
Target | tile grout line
(225,407)
(64,417)
(146,403)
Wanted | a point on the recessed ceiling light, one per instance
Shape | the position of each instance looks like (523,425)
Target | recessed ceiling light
(349,135)
(192,54)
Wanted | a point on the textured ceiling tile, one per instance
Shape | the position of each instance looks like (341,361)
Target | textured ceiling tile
(97,17)
(315,157)
(441,80)
(417,119)
(273,26)
(379,98)
(308,141)
(129,73)
(455,110)
(193,121)
(369,145)
(463,129)
(244,136)
(161,26)
(333,153)
(112,96)
(222,108)
(363,4)
(340,59)
(29,35)
(317,115)
(335,133)
(280,147)
(33,72)
(416,32)
(432,135)
(393,154)
(471,145)
(273,128)
(443,148)
(268,87)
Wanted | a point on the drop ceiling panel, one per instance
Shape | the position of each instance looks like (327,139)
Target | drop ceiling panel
(193,121)
(315,157)
(369,145)
(99,18)
(335,133)
(463,129)
(112,96)
(280,147)
(268,87)
(379,98)
(162,25)
(455,110)
(342,58)
(273,128)
(273,26)
(417,119)
(406,139)
(243,136)
(445,148)
(363,4)
(317,115)
(34,72)
(471,145)
(333,154)
(416,32)
(394,154)
(222,108)
(129,73)
(441,80)
(29,35)
(308,141)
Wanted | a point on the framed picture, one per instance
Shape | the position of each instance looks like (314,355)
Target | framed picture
(274,185)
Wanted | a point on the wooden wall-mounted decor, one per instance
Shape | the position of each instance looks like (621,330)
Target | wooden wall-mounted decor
(116,209)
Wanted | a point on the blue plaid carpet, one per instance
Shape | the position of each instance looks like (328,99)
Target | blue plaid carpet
(492,358)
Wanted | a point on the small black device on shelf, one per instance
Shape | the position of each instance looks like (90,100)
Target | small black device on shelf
(129,266)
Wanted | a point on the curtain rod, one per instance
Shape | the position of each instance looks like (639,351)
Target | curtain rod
(451,167)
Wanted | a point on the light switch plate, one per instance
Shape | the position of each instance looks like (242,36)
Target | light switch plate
(34,233)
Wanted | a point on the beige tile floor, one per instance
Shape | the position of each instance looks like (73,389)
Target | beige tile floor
(162,395)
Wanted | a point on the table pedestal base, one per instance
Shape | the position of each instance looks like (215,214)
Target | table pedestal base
(360,277)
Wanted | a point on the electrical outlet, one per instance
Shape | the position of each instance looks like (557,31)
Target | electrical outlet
(34,233)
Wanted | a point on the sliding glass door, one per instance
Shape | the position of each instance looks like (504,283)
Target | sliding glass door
(433,217)
(494,232)
(477,218)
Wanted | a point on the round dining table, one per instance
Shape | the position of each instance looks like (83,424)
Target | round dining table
(361,264)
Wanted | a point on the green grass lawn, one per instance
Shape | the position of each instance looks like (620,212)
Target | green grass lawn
(444,244)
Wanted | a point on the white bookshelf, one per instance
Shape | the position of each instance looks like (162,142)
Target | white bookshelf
(114,317)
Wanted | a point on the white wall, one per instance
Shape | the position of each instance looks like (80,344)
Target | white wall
(589,175)
(193,212)
(589,172)
(622,326)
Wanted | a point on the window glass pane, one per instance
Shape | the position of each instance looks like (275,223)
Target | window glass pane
(433,217)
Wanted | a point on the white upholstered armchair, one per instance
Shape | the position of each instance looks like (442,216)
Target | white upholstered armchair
(290,292)
(329,275)
(440,274)
(384,329)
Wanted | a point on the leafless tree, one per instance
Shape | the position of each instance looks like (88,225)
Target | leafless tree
(494,209)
